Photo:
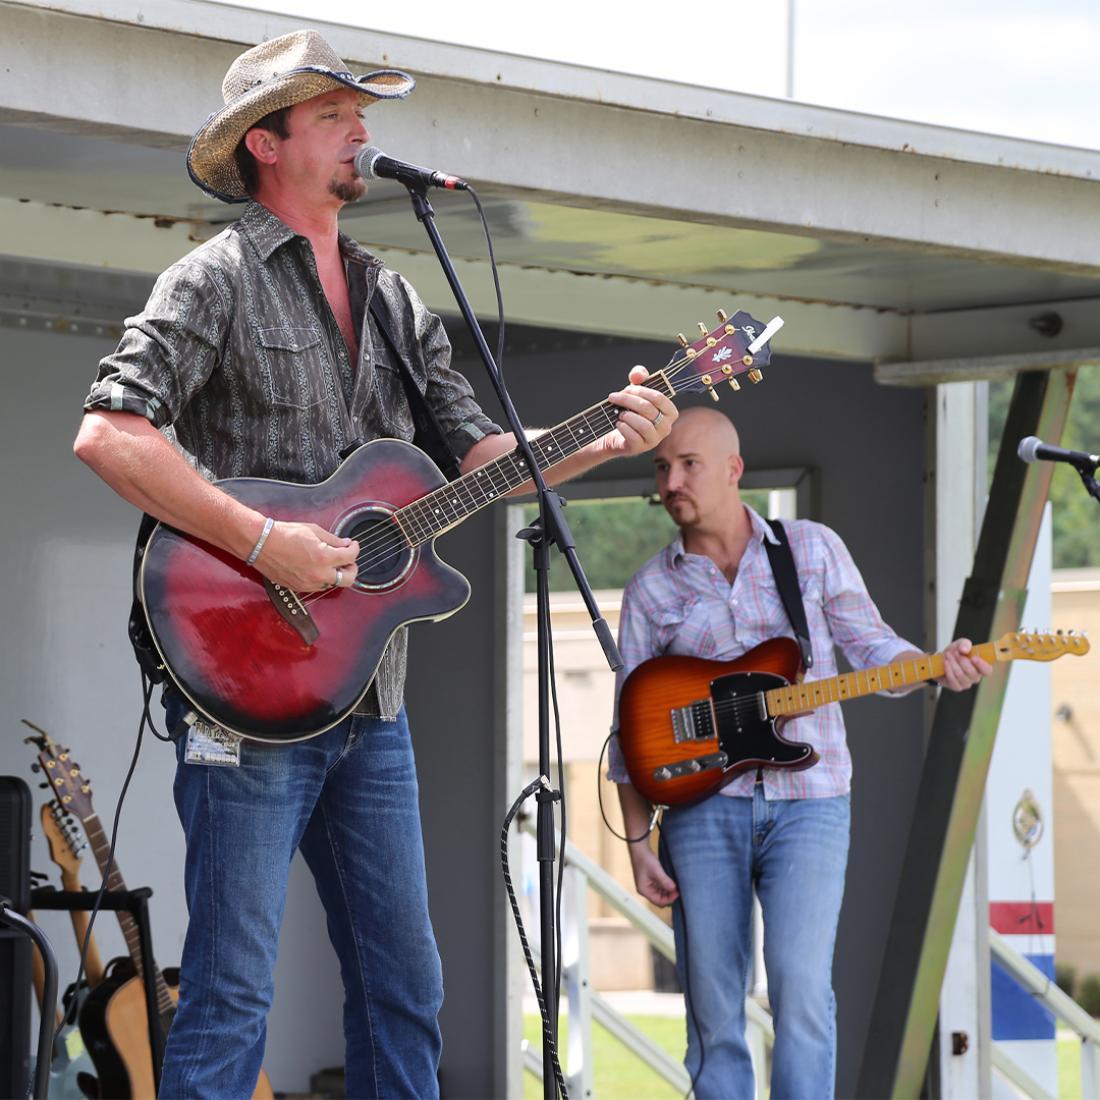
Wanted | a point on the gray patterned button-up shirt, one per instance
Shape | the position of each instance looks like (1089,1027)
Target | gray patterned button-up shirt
(238,356)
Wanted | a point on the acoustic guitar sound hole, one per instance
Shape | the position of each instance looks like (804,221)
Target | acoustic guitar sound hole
(384,555)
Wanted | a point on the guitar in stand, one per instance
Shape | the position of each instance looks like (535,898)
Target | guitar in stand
(72,1071)
(114,1020)
(689,726)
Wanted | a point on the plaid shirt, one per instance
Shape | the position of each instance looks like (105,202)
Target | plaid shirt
(680,603)
(238,358)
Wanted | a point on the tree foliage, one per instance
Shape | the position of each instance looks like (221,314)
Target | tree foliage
(614,539)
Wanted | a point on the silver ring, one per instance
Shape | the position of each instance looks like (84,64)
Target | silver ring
(339,578)
(658,418)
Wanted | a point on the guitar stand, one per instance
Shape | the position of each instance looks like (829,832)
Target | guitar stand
(136,903)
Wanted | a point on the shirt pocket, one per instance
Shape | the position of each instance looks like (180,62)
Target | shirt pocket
(391,402)
(685,630)
(291,358)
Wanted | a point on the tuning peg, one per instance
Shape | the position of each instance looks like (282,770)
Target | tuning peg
(702,327)
(723,316)
(713,395)
(734,384)
(44,785)
(756,375)
(36,767)
(682,339)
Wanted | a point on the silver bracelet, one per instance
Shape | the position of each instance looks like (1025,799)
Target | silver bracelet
(268,524)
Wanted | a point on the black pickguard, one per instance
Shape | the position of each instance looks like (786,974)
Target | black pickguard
(746,734)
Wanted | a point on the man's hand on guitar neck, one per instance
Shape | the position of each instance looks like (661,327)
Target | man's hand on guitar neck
(646,418)
(961,669)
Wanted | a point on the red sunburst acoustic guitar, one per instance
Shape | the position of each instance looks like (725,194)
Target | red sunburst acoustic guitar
(688,726)
(273,665)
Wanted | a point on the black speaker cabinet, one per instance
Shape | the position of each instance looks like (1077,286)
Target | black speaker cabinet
(15,947)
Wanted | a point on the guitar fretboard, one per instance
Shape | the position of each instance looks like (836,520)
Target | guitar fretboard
(101,847)
(809,695)
(447,506)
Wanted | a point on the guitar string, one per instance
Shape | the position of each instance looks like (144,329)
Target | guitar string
(392,541)
(746,704)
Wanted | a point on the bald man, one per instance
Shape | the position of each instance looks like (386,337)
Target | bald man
(711,593)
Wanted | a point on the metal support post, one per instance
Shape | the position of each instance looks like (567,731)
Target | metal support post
(960,746)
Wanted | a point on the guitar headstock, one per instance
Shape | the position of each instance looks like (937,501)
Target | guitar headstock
(71,790)
(1021,645)
(737,346)
(64,838)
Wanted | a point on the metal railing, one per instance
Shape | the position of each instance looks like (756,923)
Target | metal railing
(586,1006)
(1064,1008)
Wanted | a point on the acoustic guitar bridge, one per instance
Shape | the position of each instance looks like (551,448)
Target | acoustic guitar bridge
(289,605)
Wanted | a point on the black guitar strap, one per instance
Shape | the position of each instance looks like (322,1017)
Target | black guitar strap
(138,626)
(786,581)
(429,435)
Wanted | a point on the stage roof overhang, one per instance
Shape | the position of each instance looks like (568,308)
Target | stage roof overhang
(618,204)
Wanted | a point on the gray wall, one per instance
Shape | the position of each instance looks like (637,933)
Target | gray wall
(66,665)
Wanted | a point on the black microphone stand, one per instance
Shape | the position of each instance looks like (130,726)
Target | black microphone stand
(1089,481)
(550,529)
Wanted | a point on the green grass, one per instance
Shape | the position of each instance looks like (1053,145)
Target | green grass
(617,1073)
(1069,1065)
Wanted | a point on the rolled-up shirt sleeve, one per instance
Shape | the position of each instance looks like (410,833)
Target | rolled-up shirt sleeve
(168,351)
(449,393)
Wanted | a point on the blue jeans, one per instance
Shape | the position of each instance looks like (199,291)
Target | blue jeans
(794,852)
(348,800)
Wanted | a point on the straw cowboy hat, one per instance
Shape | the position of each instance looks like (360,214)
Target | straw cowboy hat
(266,78)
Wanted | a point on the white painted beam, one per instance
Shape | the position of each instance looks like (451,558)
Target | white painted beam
(1006,330)
(150,73)
(982,368)
(556,299)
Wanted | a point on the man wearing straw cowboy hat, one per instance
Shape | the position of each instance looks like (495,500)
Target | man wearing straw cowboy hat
(259,353)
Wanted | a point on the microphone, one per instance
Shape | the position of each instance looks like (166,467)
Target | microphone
(1032,448)
(372,164)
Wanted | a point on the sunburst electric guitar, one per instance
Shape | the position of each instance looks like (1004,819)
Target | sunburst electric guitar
(273,665)
(113,1019)
(689,726)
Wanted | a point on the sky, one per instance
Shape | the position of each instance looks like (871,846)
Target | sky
(1022,68)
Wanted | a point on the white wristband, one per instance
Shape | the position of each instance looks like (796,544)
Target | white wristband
(268,524)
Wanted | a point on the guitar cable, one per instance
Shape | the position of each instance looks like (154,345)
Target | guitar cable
(666,858)
(548,1035)
(534,785)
